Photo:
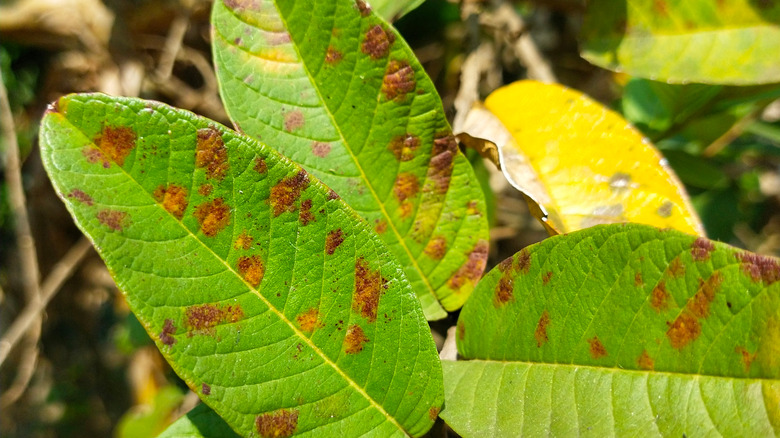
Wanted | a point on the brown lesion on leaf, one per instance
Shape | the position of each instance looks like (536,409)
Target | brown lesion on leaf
(597,350)
(638,282)
(665,210)
(205,389)
(405,188)
(472,208)
(436,247)
(369,287)
(433,413)
(398,80)
(461,330)
(701,249)
(251,269)
(684,330)
(309,320)
(377,42)
(168,330)
(306,216)
(746,357)
(442,161)
(699,304)
(333,240)
(281,423)
(363,7)
(759,268)
(173,199)
(659,298)
(203,318)
(211,153)
(115,143)
(94,156)
(213,216)
(260,166)
(81,196)
(504,292)
(332,56)
(355,339)
(114,219)
(243,241)
(546,277)
(205,189)
(285,194)
(540,334)
(645,362)
(380,226)
(320,149)
(403,147)
(524,261)
(471,271)
(332,195)
(293,120)
(676,268)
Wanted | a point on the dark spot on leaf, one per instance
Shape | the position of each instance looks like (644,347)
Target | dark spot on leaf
(638,282)
(660,7)
(277,424)
(333,240)
(620,181)
(505,265)
(760,268)
(306,216)
(211,153)
(293,120)
(205,189)
(205,389)
(683,330)
(116,143)
(116,220)
(309,320)
(380,226)
(541,329)
(524,261)
(433,413)
(173,199)
(94,156)
(81,197)
(436,247)
(665,210)
(365,9)
(212,216)
(597,350)
(746,357)
(332,194)
(461,330)
(243,241)
(260,166)
(676,268)
(320,149)
(440,166)
(701,249)
(166,335)
(472,208)
(644,361)
(699,305)
(332,56)
(355,339)
(203,318)
(377,42)
(406,187)
(504,290)
(369,287)
(251,269)
(398,80)
(404,146)
(472,270)
(546,277)
(659,298)
(287,191)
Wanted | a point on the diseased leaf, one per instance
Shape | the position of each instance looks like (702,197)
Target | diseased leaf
(579,162)
(200,422)
(335,88)
(718,42)
(267,294)
(620,330)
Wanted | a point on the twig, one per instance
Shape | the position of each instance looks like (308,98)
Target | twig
(732,134)
(173,44)
(59,273)
(449,351)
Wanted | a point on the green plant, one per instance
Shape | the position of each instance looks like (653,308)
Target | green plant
(292,306)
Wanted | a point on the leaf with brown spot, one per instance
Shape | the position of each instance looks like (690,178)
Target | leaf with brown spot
(173,199)
(377,42)
(369,288)
(285,194)
(212,216)
(211,153)
(541,329)
(278,424)
(309,320)
(113,219)
(82,197)
(116,143)
(251,269)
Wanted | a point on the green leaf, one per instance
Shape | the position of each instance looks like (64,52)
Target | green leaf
(267,294)
(392,10)
(148,420)
(719,42)
(620,330)
(335,88)
(200,422)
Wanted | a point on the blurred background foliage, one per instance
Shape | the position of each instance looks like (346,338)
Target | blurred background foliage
(98,374)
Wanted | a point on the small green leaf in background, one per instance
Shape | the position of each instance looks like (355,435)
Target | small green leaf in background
(620,330)
(149,420)
(733,42)
(267,294)
(336,89)
(200,422)
(392,10)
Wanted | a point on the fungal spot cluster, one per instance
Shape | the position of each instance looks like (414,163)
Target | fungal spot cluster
(306,216)
(405,188)
(440,167)
(436,247)
(355,339)
(659,298)
(471,271)
(243,241)
(597,349)
(363,7)
(203,318)
(369,287)
(377,42)
(403,147)
(213,216)
(461,330)
(332,55)
(540,334)
(278,424)
(701,249)
(644,361)
(211,153)
(505,288)
(114,219)
(205,389)
(398,80)
(320,149)
(309,320)
(260,166)
(251,269)
(168,330)
(285,194)
(116,143)
(173,199)
(293,121)
(759,268)
(686,328)
(81,196)
(333,240)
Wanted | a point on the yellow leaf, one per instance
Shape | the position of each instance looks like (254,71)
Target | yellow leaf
(581,163)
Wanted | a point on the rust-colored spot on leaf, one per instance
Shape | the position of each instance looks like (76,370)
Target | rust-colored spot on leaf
(332,194)
(644,361)
(471,271)
(659,298)
(211,153)
(380,226)
(760,268)
(369,287)
(80,196)
(638,282)
(404,146)
(597,350)
(746,357)
(365,9)
(166,335)
(94,156)
(306,216)
(243,241)
(541,329)
(433,413)
(406,187)
(205,389)
(332,56)
(320,149)
(524,261)
(173,199)
(205,189)
(399,80)
(309,320)
(251,269)
(461,330)
(116,220)
(505,265)
(260,166)
(277,424)
(683,330)
(701,249)
(377,42)
(203,318)
(333,240)
(660,7)
(441,164)
(355,339)
(676,268)
(436,247)
(116,143)
(212,216)
(504,290)
(293,120)
(287,191)
(547,277)
(699,305)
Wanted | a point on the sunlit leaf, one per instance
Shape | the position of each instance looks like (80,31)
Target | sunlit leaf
(719,42)
(267,294)
(200,422)
(392,10)
(620,330)
(580,163)
(335,88)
